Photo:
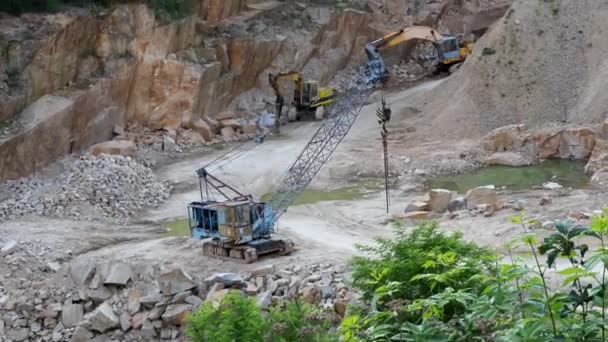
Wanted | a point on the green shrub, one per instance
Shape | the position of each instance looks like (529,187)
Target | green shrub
(298,321)
(419,263)
(237,318)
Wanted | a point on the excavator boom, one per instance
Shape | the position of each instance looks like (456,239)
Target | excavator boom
(447,48)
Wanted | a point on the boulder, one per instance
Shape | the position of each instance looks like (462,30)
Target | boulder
(125,321)
(151,299)
(119,274)
(600,179)
(604,129)
(417,206)
(228,133)
(573,142)
(264,300)
(264,270)
(201,127)
(311,294)
(599,157)
(18,335)
(227,279)
(180,297)
(544,201)
(175,314)
(225,115)
(81,334)
(251,289)
(169,144)
(217,293)
(175,281)
(235,124)
(508,159)
(103,318)
(147,329)
(194,301)
(82,271)
(114,147)
(482,195)
(340,306)
(457,204)
(8,247)
(439,199)
(249,129)
(507,138)
(416,215)
(71,314)
(138,319)
(99,295)
(133,301)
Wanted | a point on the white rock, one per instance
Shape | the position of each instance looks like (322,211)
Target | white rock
(552,186)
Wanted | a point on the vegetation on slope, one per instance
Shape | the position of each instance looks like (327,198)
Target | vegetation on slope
(425,285)
(172,8)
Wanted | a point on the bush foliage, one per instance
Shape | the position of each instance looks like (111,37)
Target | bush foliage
(239,318)
(162,8)
(425,285)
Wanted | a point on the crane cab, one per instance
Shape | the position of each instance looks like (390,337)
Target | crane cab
(225,220)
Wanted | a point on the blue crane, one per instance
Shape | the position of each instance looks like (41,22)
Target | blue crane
(239,227)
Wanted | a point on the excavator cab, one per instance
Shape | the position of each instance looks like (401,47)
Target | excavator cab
(448,50)
(310,93)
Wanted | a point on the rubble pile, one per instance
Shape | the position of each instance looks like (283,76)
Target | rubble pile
(481,200)
(127,302)
(110,186)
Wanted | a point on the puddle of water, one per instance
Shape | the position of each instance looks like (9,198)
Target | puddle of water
(568,173)
(347,193)
(177,227)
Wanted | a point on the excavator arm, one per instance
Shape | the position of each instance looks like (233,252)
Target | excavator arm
(377,71)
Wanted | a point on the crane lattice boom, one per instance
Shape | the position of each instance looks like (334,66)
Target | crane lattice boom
(316,153)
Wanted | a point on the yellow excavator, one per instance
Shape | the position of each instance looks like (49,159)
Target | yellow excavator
(449,50)
(308,97)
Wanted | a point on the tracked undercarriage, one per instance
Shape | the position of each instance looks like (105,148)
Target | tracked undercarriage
(246,253)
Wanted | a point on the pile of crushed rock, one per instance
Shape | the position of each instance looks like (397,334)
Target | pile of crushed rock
(100,300)
(90,187)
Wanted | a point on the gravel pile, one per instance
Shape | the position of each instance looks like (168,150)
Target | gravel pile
(90,187)
(540,64)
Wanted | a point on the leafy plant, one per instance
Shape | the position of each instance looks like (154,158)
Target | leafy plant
(298,321)
(236,318)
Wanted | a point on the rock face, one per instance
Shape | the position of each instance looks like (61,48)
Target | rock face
(490,92)
(482,195)
(90,73)
(514,145)
(57,125)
